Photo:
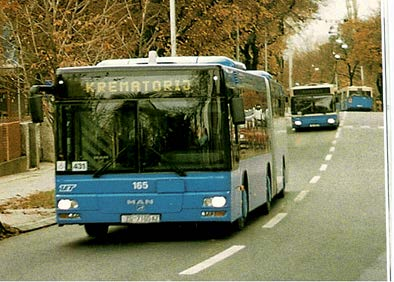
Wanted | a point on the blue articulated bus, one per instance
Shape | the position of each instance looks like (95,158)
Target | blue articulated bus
(155,140)
(314,106)
(356,98)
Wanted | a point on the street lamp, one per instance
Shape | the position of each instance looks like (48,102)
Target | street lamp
(337,57)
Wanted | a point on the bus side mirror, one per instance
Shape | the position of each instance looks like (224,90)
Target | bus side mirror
(237,110)
(36,110)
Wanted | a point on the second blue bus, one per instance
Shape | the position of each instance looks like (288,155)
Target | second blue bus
(356,98)
(314,106)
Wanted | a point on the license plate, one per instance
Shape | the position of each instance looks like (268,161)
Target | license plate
(140,218)
(314,125)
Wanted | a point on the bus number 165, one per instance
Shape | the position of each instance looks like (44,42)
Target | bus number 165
(140,185)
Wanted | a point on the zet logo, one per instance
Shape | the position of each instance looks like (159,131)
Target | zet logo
(67,187)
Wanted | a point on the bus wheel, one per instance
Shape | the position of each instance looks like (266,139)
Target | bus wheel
(98,231)
(281,194)
(240,222)
(267,205)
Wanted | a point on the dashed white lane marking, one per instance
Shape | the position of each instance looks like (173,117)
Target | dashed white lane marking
(314,179)
(337,134)
(334,142)
(323,167)
(301,196)
(328,157)
(361,127)
(332,149)
(212,260)
(275,220)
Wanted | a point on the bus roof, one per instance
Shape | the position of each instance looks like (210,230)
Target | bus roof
(356,87)
(260,73)
(184,60)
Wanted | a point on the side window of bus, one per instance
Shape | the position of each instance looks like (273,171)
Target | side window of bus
(278,101)
(281,106)
(253,135)
(275,106)
(234,132)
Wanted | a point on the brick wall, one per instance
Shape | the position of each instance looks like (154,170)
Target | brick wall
(10,141)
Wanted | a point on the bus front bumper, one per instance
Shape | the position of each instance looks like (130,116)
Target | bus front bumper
(315,122)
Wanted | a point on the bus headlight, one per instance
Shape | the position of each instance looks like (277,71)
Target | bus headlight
(331,120)
(297,122)
(216,202)
(66,204)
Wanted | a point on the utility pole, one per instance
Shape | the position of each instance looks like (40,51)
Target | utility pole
(352,9)
(290,69)
(173,28)
(265,51)
(362,75)
(237,49)
(355,9)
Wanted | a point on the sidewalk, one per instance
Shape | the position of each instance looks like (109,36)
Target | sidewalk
(22,185)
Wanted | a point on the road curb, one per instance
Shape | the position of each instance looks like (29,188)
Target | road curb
(25,220)
(37,224)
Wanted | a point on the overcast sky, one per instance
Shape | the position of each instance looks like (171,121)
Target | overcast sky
(329,15)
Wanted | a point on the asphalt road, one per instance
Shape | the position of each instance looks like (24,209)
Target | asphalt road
(329,226)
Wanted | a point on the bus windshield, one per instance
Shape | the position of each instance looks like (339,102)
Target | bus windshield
(302,105)
(360,93)
(144,134)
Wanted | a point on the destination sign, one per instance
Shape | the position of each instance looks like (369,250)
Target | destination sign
(311,91)
(130,85)
(135,84)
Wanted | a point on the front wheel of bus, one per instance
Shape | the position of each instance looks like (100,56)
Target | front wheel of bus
(267,205)
(97,231)
(240,223)
(282,192)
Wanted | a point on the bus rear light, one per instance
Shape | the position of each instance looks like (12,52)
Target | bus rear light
(213,213)
(69,216)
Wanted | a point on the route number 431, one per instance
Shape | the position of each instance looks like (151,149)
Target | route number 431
(79,166)
(140,185)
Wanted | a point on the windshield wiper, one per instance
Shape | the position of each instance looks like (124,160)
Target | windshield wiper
(102,169)
(173,166)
